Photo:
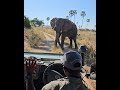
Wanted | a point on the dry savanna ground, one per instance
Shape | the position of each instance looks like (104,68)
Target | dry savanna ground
(34,37)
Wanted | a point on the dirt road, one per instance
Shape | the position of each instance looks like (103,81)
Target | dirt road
(46,45)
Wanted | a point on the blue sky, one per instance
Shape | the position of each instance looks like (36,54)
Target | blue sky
(60,8)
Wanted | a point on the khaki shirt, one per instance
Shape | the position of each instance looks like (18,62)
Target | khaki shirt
(67,83)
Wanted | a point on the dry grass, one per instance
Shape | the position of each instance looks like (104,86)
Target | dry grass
(33,37)
(87,38)
(48,30)
(27,47)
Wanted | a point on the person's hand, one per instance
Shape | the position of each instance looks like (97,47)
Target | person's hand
(30,65)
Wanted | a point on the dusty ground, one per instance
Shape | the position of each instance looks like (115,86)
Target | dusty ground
(48,44)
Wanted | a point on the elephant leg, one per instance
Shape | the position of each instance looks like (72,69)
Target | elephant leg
(55,42)
(70,42)
(62,41)
(76,47)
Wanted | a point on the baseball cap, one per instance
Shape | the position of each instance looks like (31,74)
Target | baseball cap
(72,60)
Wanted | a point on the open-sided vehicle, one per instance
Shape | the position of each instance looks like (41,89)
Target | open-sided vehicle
(47,69)
(45,72)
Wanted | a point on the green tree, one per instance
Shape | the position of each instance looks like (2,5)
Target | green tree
(72,13)
(36,22)
(27,22)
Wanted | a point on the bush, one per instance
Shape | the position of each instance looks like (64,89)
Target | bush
(27,22)
(27,47)
(33,36)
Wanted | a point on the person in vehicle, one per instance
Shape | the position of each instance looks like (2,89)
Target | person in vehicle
(72,64)
(93,71)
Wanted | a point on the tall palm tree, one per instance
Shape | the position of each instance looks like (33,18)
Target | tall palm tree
(48,18)
(88,20)
(71,13)
(74,12)
(83,14)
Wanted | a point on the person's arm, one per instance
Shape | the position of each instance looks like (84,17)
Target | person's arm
(29,83)
(51,86)
(29,69)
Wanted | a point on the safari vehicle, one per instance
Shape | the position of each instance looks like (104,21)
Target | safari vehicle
(49,67)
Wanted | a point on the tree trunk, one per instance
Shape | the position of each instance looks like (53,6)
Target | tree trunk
(82,23)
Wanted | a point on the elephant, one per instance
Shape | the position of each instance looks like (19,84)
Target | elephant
(64,28)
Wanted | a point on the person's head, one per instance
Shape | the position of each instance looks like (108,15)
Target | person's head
(72,63)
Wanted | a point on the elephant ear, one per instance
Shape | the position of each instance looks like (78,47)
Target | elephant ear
(52,23)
